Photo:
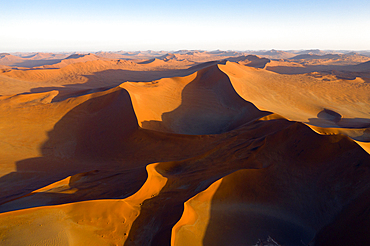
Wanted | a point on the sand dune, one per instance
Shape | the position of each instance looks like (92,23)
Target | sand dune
(184,148)
(250,61)
(202,103)
(299,97)
(75,58)
(103,222)
(46,56)
(331,59)
(8,59)
(274,54)
(85,75)
(30,60)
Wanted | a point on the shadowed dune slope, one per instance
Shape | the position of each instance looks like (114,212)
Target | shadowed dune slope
(202,103)
(56,140)
(97,131)
(288,180)
(250,61)
(37,119)
(103,222)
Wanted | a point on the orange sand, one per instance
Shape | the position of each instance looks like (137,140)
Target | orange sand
(184,148)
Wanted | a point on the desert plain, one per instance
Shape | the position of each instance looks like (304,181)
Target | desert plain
(186,147)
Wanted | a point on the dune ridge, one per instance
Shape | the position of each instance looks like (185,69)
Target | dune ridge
(203,103)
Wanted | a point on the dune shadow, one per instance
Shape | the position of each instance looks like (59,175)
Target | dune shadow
(347,72)
(37,63)
(248,223)
(250,61)
(288,201)
(301,70)
(350,227)
(91,185)
(89,144)
(248,228)
(147,61)
(330,118)
(99,143)
(91,138)
(209,105)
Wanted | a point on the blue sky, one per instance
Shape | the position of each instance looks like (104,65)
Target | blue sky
(41,25)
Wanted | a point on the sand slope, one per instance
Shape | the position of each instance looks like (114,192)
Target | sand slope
(202,103)
(300,97)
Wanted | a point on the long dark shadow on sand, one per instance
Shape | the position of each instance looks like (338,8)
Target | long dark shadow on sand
(89,144)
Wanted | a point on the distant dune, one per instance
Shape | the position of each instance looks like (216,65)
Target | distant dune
(185,147)
(274,54)
(8,59)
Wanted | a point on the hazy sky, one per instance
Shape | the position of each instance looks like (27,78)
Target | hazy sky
(91,25)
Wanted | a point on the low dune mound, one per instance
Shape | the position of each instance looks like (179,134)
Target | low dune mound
(202,103)
(330,115)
